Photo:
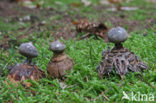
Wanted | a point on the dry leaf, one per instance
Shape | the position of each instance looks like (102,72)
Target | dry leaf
(63,85)
(98,29)
(86,2)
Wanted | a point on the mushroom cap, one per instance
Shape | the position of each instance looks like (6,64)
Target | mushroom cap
(117,35)
(28,50)
(57,46)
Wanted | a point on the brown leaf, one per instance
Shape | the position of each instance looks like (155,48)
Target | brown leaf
(97,29)
(75,4)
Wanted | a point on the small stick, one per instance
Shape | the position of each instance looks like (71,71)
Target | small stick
(84,36)
(105,96)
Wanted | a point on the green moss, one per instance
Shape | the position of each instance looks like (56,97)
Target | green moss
(83,83)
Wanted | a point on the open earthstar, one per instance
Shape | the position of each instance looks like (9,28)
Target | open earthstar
(119,59)
(21,72)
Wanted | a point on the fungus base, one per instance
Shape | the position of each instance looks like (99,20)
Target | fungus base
(121,60)
(24,71)
(58,64)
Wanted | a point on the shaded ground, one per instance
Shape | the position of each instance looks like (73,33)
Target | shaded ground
(55,23)
(8,9)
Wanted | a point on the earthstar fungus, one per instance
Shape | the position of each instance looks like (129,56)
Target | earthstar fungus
(60,62)
(119,59)
(29,51)
(26,70)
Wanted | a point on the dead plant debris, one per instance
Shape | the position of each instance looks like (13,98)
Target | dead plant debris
(90,28)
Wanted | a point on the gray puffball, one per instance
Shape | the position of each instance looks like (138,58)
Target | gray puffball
(117,35)
(57,46)
(28,50)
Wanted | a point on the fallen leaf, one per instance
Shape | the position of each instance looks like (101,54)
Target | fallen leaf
(63,85)
(91,28)
(106,2)
(86,2)
(75,4)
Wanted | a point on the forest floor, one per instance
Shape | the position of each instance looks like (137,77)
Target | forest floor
(55,19)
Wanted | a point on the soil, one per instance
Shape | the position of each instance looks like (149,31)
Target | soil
(11,11)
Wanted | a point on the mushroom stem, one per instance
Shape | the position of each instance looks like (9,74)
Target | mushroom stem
(29,60)
(58,53)
(108,47)
(118,45)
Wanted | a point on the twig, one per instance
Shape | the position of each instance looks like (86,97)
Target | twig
(84,36)
(6,64)
(105,96)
